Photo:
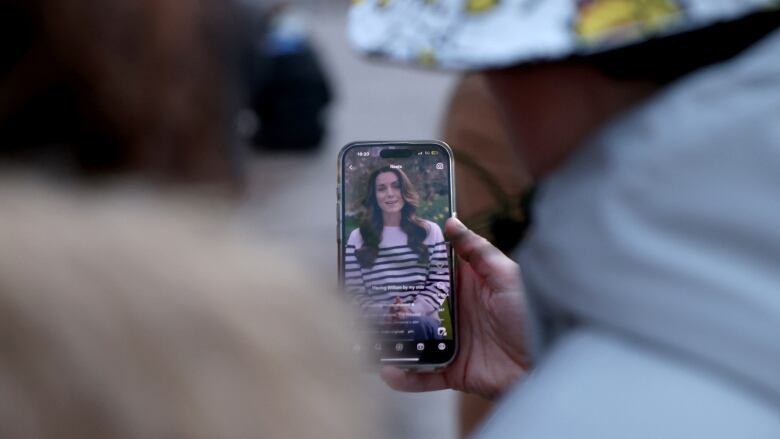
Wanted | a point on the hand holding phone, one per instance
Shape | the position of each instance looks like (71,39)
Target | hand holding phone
(491,309)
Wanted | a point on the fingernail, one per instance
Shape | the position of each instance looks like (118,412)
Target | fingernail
(459,226)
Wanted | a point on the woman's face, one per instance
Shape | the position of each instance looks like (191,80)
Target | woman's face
(388,192)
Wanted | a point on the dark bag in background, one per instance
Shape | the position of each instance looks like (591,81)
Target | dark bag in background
(292,97)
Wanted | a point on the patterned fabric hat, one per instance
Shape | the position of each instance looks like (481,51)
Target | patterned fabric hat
(475,34)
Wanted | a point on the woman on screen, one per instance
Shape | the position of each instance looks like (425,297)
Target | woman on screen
(397,264)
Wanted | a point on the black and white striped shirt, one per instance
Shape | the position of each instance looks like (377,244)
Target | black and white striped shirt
(397,272)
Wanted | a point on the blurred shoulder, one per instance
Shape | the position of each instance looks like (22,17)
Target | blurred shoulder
(130,268)
(129,234)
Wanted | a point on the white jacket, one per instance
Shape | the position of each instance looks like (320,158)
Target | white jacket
(653,267)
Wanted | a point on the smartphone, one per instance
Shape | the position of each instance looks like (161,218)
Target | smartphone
(395,264)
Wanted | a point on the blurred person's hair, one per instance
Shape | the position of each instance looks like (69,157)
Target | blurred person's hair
(372,222)
(109,86)
(123,316)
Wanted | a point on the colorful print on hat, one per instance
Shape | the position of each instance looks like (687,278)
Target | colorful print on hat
(612,21)
(476,34)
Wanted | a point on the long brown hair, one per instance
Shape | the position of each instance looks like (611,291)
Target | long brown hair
(372,224)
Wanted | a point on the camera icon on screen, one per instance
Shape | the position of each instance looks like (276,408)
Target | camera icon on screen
(442,331)
(440,166)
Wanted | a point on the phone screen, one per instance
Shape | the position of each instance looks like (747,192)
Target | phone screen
(396,265)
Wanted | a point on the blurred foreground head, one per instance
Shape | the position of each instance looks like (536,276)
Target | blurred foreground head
(562,69)
(129,316)
(122,317)
(101,87)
